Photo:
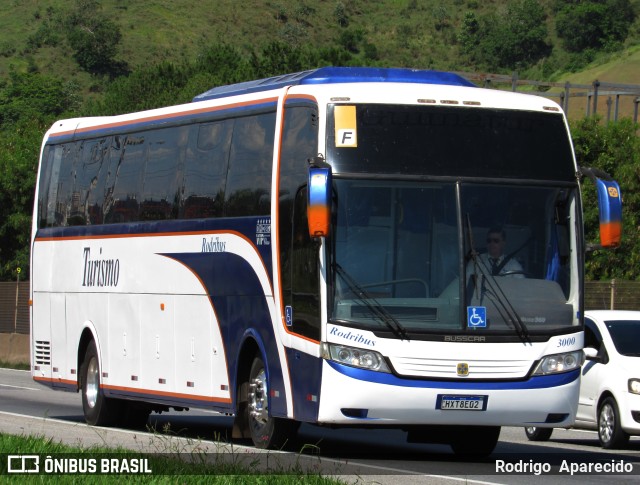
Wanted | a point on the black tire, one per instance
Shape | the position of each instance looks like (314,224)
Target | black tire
(98,410)
(475,441)
(135,415)
(610,433)
(538,434)
(266,431)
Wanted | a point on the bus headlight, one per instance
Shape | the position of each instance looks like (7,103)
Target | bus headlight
(634,386)
(361,358)
(557,363)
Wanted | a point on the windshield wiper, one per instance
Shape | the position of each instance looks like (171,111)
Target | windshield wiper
(502,303)
(377,310)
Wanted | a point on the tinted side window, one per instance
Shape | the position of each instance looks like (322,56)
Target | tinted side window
(248,190)
(92,170)
(206,170)
(49,156)
(590,337)
(305,274)
(63,177)
(163,168)
(128,156)
(97,155)
(299,143)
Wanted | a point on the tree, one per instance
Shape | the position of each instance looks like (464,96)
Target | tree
(29,96)
(19,146)
(594,24)
(29,103)
(94,38)
(514,40)
(614,148)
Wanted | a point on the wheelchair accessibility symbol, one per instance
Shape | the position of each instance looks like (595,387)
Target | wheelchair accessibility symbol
(476,316)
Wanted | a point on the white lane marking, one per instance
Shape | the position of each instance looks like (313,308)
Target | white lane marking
(21,387)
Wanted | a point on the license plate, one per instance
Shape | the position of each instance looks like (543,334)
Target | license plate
(447,402)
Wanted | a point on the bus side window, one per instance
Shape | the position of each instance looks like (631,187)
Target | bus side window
(127,168)
(299,143)
(159,197)
(63,194)
(205,170)
(92,169)
(51,158)
(305,273)
(248,190)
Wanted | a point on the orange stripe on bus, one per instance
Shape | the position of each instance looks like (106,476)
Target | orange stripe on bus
(55,380)
(210,109)
(167,394)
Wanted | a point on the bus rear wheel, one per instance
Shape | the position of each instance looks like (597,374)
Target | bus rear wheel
(267,432)
(98,409)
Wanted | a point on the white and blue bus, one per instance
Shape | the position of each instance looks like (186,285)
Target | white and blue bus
(309,248)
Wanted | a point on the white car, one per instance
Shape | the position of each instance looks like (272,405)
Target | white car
(610,383)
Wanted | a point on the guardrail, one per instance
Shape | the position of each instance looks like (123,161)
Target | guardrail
(616,95)
(599,295)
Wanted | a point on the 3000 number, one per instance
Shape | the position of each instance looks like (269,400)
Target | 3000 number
(565,342)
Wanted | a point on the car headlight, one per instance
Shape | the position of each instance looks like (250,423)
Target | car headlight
(557,363)
(634,386)
(361,358)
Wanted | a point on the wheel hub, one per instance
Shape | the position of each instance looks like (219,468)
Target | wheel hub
(606,423)
(93,383)
(258,391)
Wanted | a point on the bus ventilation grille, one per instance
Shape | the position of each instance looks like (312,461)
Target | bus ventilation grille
(43,352)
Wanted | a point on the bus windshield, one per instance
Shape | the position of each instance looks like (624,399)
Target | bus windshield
(407,255)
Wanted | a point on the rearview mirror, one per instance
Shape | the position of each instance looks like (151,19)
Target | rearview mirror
(319,203)
(610,205)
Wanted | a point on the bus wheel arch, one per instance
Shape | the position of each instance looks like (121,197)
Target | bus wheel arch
(85,339)
(253,419)
(98,409)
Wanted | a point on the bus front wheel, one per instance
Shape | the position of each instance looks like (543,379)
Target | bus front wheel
(267,432)
(538,434)
(98,410)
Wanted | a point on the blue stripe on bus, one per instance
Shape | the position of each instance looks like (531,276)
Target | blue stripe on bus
(537,382)
(306,378)
(242,225)
(239,301)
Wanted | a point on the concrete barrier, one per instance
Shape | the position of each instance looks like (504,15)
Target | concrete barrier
(14,348)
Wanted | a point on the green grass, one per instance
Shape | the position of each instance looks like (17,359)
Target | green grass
(192,467)
(17,366)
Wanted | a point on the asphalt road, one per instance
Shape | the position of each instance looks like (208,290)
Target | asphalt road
(357,456)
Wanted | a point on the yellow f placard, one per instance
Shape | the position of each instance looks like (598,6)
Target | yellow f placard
(345,123)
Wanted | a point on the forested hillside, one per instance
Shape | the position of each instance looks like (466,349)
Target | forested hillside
(77,38)
(62,58)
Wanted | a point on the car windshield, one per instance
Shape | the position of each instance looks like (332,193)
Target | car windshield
(399,249)
(624,334)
